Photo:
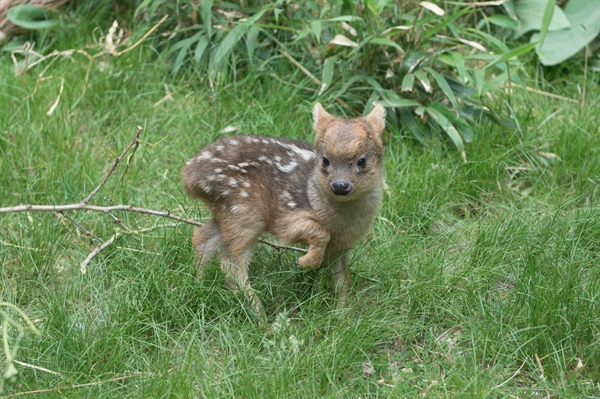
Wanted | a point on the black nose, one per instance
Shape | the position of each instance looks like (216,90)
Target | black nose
(341,187)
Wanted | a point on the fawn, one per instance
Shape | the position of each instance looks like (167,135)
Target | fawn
(324,196)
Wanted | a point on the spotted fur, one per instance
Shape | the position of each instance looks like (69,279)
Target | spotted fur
(325,196)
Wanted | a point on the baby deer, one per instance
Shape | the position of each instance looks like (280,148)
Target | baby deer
(324,196)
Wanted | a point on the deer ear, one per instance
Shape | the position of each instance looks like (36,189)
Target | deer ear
(377,119)
(320,117)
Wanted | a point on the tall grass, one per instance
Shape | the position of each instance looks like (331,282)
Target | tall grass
(479,278)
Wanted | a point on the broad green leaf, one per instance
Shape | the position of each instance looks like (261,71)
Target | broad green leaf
(448,127)
(408,82)
(206,12)
(443,84)
(584,17)
(386,42)
(31,17)
(531,15)
(513,53)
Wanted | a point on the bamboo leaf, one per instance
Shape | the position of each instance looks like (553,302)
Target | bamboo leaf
(206,12)
(443,84)
(408,82)
(546,19)
(200,48)
(448,127)
(386,42)
(424,80)
(513,53)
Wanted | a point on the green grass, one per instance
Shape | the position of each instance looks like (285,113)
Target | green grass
(473,271)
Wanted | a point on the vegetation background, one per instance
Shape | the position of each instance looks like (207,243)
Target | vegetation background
(480,278)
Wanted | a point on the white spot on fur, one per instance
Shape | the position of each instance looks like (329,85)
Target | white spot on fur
(265,159)
(218,170)
(286,195)
(220,177)
(244,194)
(219,147)
(205,185)
(233,167)
(188,162)
(265,141)
(234,209)
(246,184)
(243,164)
(287,168)
(291,204)
(225,193)
(232,182)
(307,155)
(204,155)
(234,142)
(217,160)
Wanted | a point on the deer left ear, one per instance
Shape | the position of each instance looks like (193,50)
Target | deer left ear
(377,119)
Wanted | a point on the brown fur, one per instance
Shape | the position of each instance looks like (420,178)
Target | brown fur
(255,184)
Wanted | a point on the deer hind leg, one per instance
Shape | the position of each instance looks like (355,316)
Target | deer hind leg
(239,244)
(207,243)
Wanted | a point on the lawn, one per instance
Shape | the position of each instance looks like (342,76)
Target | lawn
(478,279)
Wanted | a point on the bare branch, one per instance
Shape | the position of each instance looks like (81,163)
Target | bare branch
(133,142)
(112,239)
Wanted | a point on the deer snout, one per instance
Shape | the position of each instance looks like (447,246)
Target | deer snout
(341,187)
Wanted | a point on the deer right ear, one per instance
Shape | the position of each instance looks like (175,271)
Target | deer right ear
(320,119)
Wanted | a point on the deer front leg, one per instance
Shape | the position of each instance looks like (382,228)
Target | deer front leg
(341,279)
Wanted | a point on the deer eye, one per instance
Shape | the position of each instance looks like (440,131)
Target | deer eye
(325,162)
(362,162)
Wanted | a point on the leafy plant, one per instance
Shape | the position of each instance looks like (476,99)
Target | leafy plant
(425,64)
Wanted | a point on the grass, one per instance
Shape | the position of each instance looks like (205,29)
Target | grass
(480,279)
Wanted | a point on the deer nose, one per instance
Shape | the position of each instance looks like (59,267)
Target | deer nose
(341,187)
